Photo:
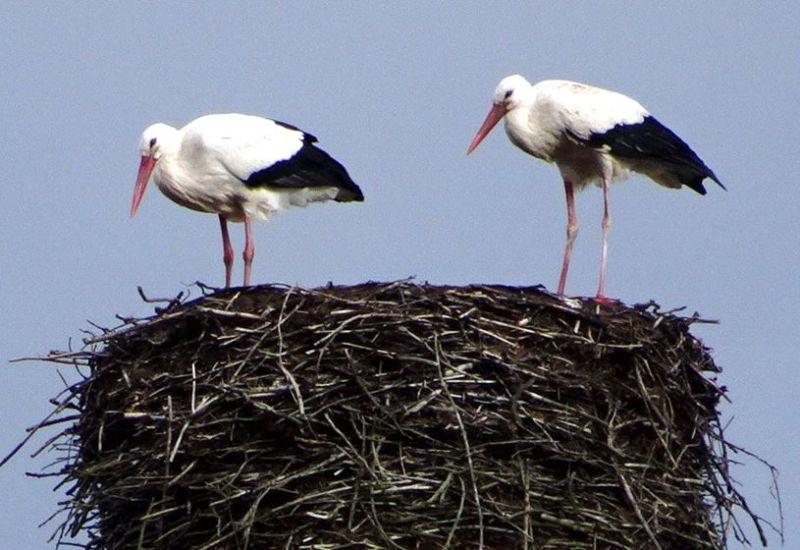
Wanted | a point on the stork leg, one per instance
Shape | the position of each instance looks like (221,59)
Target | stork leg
(572,232)
(249,249)
(606,225)
(227,250)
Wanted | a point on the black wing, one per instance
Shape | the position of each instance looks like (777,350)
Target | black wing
(308,167)
(650,140)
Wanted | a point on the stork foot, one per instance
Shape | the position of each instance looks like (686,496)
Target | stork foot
(605,300)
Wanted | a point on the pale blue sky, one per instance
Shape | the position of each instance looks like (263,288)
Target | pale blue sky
(396,91)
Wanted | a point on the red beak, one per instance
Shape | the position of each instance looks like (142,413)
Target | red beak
(145,169)
(495,114)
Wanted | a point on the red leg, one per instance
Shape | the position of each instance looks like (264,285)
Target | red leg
(606,225)
(572,232)
(227,250)
(249,250)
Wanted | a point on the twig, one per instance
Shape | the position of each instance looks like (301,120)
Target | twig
(457,412)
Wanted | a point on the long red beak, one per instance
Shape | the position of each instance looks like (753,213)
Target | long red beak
(145,168)
(495,114)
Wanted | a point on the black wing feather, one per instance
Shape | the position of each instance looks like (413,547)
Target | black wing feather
(308,167)
(651,140)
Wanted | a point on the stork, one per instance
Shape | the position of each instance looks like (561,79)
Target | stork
(241,168)
(592,135)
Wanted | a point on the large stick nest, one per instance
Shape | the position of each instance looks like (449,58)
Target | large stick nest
(397,416)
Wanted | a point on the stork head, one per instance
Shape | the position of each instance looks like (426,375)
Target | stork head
(510,93)
(154,141)
(153,138)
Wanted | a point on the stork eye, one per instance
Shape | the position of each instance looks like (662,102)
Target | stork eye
(508,94)
(152,143)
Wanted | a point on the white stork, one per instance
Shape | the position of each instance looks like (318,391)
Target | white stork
(592,135)
(242,168)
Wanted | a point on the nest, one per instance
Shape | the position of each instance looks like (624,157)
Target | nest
(396,416)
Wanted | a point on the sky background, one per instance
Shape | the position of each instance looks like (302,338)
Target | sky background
(396,91)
